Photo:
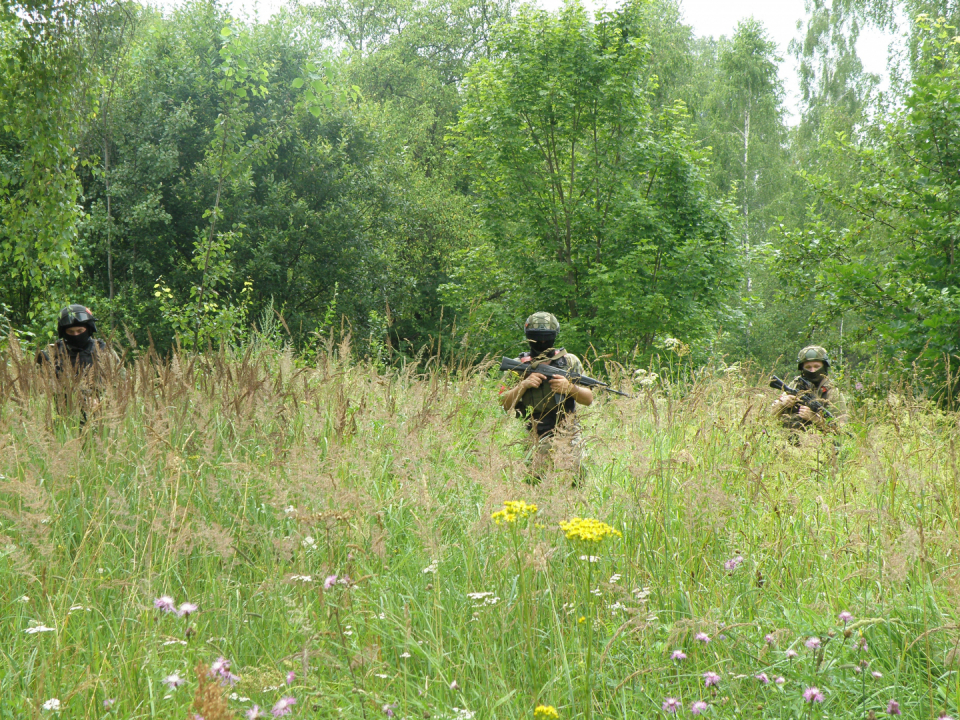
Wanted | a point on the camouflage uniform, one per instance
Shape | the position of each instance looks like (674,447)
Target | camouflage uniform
(825,392)
(78,373)
(822,390)
(555,438)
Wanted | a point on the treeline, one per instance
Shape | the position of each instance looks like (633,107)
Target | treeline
(427,173)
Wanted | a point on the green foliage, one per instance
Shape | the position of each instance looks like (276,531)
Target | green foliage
(593,206)
(893,262)
(41,95)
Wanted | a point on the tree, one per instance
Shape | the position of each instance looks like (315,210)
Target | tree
(41,93)
(893,262)
(593,206)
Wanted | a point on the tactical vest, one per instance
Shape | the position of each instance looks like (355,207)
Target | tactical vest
(541,401)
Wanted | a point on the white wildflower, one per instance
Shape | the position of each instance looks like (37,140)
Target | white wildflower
(51,704)
(39,629)
(431,569)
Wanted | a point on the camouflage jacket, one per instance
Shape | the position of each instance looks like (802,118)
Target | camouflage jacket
(541,402)
(825,392)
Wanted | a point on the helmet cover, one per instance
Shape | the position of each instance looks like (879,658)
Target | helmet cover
(812,352)
(542,321)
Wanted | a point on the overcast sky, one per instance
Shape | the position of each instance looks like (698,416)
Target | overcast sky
(708,17)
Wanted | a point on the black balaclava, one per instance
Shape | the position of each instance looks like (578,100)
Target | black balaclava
(814,377)
(78,342)
(541,340)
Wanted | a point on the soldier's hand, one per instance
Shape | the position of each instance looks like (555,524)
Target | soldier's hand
(562,385)
(785,400)
(807,414)
(533,380)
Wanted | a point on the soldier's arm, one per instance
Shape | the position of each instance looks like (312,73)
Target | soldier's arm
(583,395)
(509,398)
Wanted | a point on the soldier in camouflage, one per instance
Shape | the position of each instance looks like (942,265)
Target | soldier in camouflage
(813,362)
(549,405)
(78,363)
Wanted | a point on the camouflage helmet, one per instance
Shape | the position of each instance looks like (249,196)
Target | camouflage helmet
(75,316)
(813,352)
(542,321)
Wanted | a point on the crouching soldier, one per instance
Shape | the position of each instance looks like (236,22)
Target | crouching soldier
(830,410)
(549,405)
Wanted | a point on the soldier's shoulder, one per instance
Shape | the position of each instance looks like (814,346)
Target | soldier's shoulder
(46,354)
(574,362)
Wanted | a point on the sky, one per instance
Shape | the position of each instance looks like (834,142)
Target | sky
(707,17)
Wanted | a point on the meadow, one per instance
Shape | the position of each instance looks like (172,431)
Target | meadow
(249,536)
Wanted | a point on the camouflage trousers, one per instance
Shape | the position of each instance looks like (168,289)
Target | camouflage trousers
(560,453)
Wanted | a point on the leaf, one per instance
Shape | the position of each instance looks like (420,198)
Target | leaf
(298,83)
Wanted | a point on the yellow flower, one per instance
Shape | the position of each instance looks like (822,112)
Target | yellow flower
(582,619)
(513,510)
(546,711)
(588,530)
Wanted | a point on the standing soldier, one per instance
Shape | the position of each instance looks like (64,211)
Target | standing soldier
(549,405)
(78,361)
(813,364)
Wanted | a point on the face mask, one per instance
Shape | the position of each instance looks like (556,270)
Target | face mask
(78,341)
(540,341)
(814,377)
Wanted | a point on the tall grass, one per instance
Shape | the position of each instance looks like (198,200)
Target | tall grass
(245,484)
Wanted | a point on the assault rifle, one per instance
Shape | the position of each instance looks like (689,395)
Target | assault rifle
(525,368)
(806,398)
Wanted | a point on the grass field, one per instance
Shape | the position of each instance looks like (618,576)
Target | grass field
(244,486)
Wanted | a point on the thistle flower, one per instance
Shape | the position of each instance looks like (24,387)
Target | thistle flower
(290,677)
(762,677)
(698,708)
(173,681)
(282,706)
(548,712)
(791,653)
(845,617)
(780,680)
(671,705)
(109,703)
(944,716)
(702,637)
(588,530)
(733,563)
(388,710)
(253,713)
(186,609)
(812,695)
(877,674)
(710,679)
(329,582)
(678,655)
(513,510)
(893,708)
(769,639)
(165,603)
(813,643)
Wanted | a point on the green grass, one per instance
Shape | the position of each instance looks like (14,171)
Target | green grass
(219,482)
